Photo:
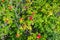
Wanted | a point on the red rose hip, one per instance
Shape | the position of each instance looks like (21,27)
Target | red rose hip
(31,18)
(38,36)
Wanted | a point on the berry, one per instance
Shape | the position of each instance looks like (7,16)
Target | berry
(38,36)
(30,18)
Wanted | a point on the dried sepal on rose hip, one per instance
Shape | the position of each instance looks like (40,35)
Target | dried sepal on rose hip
(6,20)
(26,7)
(17,35)
(3,0)
(38,36)
(21,20)
(10,7)
(33,13)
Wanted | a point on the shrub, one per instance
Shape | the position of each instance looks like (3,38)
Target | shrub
(29,19)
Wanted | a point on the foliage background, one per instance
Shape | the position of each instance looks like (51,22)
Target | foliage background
(25,19)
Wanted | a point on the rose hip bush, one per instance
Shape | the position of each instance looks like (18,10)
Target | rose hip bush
(29,20)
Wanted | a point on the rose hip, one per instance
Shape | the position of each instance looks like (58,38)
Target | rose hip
(17,35)
(38,36)
(31,18)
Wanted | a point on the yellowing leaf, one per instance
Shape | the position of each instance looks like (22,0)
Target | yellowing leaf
(29,27)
